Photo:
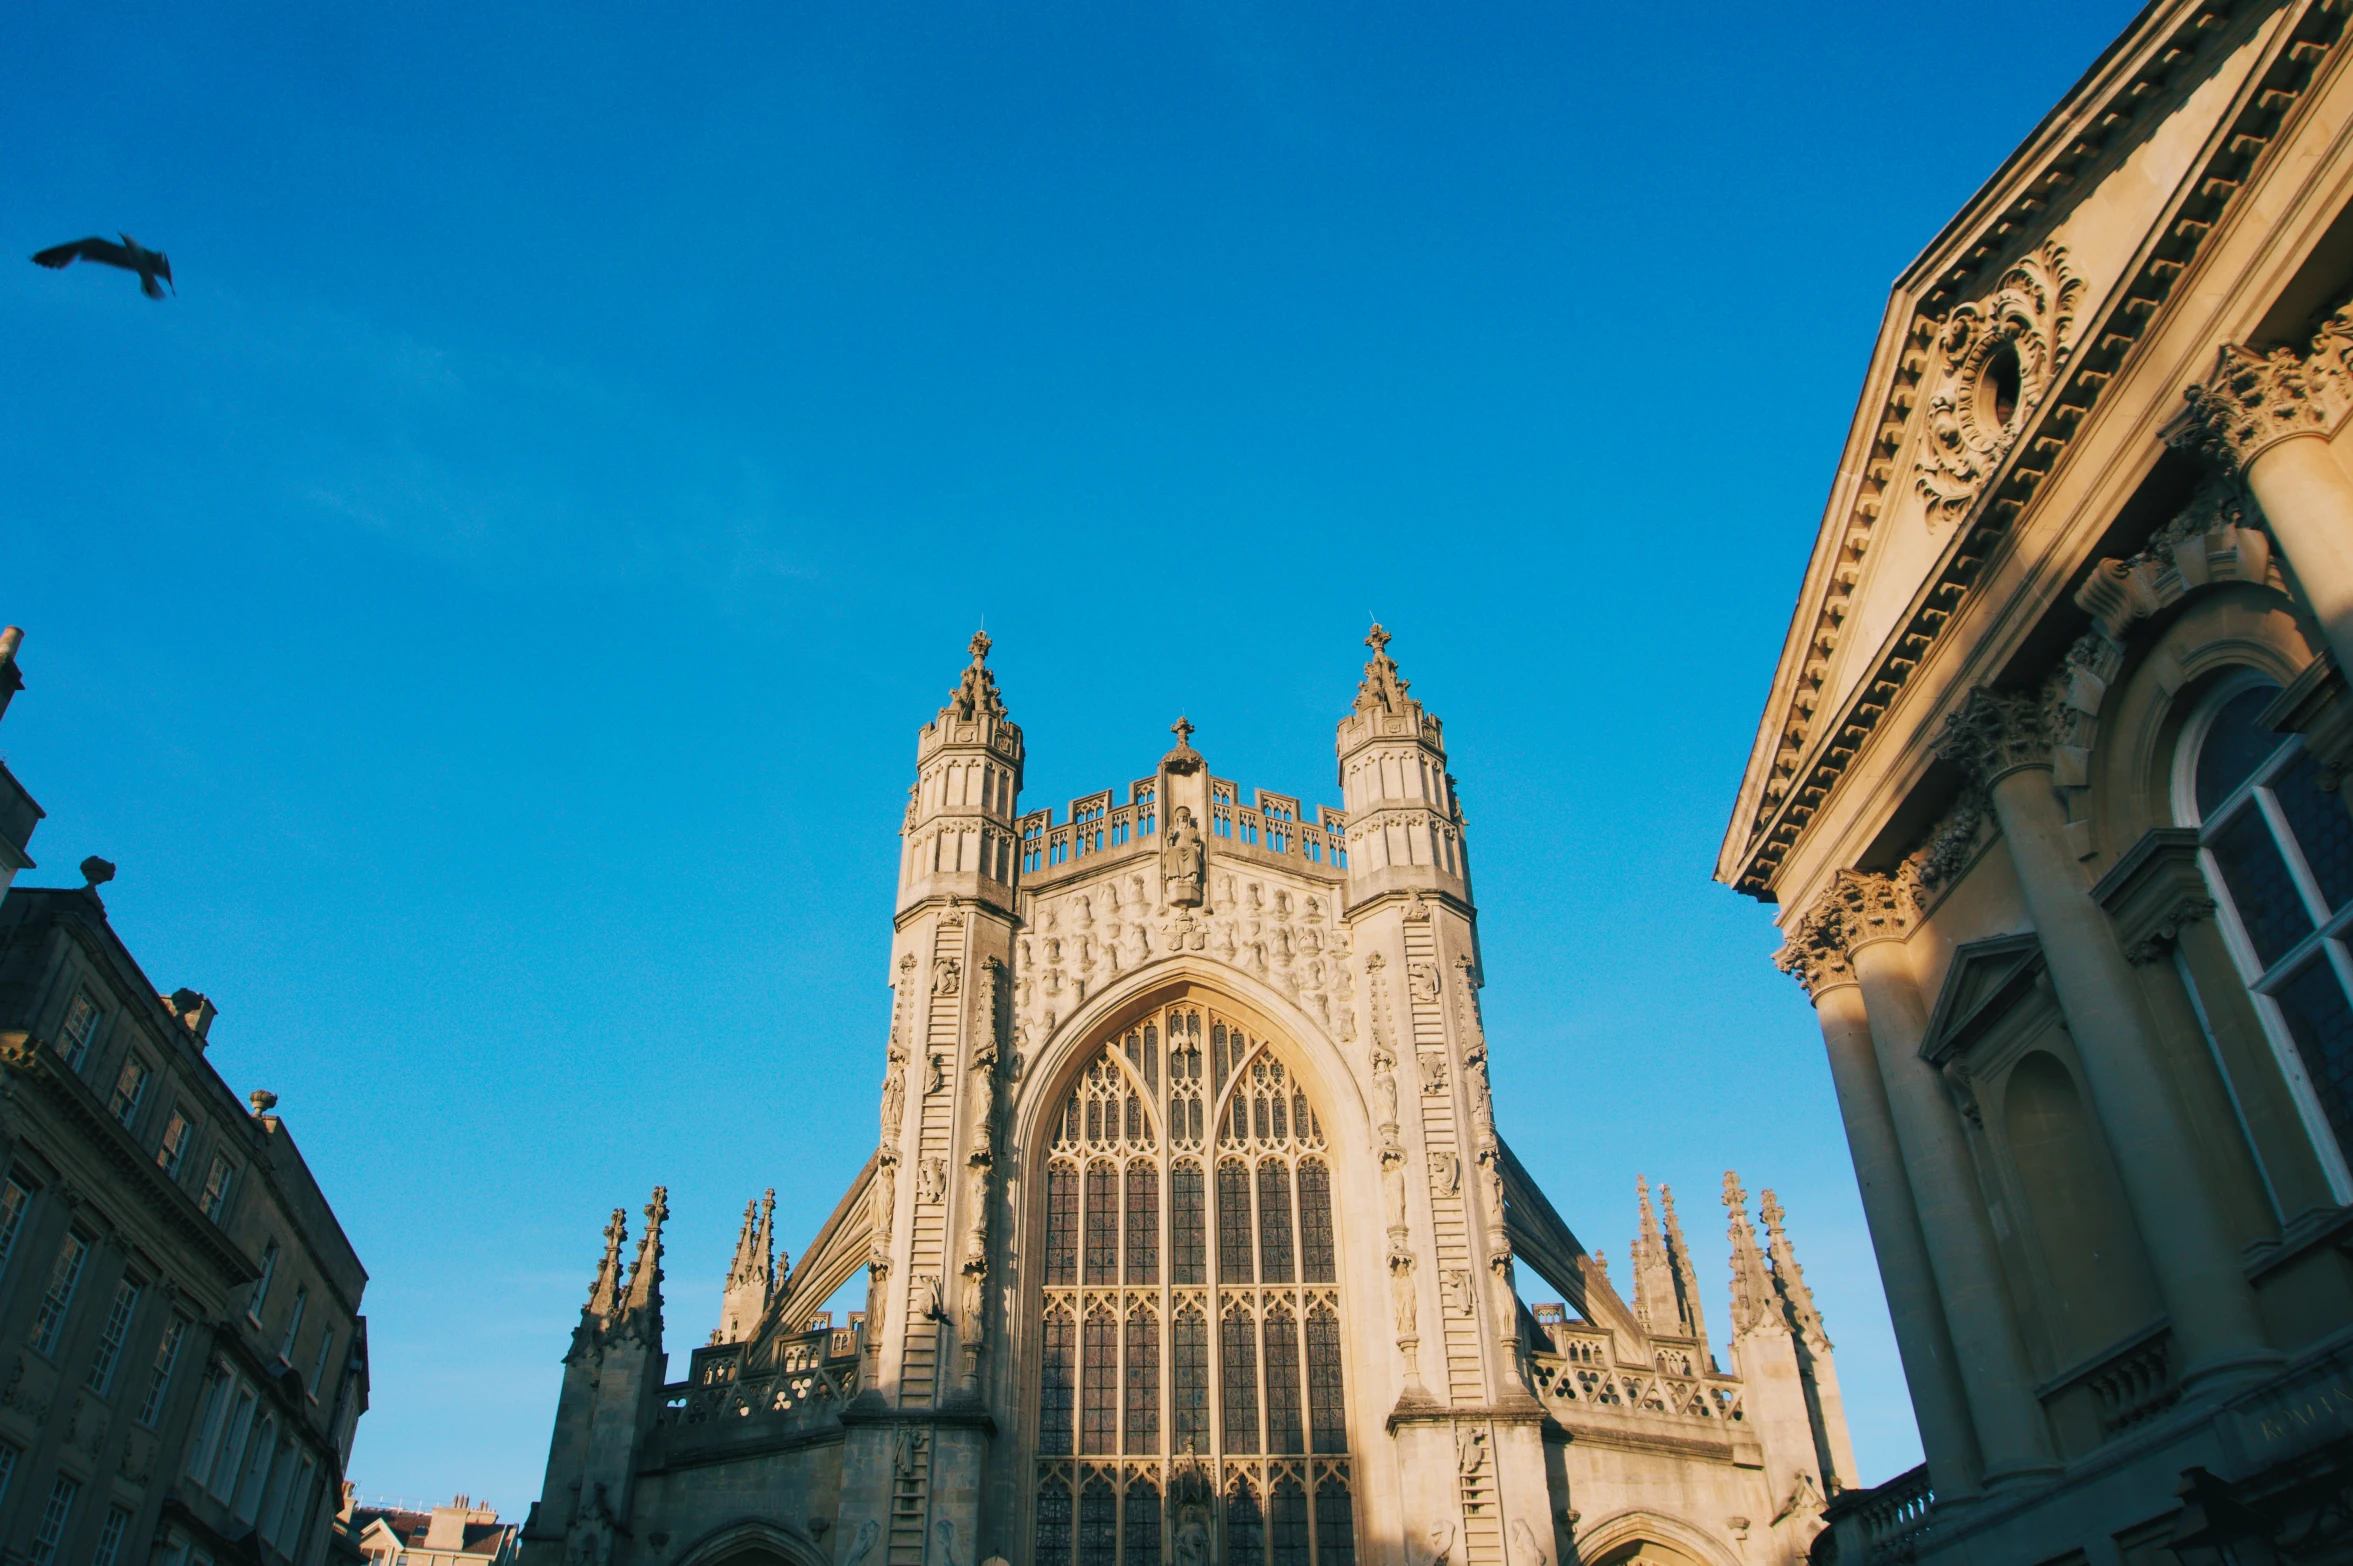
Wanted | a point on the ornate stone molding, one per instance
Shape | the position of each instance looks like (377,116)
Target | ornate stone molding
(2214,540)
(2251,402)
(1857,908)
(1995,361)
(1995,733)
(2155,892)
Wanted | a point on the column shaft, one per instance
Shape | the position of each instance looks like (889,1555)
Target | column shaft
(2206,1295)
(2011,1430)
(1931,1371)
(2307,497)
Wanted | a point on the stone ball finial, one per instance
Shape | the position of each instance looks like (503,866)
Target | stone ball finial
(262,1101)
(96,872)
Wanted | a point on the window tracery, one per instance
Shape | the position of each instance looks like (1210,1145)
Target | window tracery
(1190,1380)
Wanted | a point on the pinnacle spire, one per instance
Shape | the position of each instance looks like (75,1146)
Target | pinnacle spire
(1381,688)
(604,1295)
(975,695)
(1789,1279)
(645,1278)
(751,1279)
(1754,1304)
(1686,1275)
(1654,1281)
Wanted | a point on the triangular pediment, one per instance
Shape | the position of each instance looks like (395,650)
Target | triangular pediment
(1994,346)
(1986,978)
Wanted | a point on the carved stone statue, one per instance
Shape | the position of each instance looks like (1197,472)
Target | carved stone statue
(1433,1071)
(1401,1301)
(931,1181)
(1184,861)
(1192,1539)
(947,976)
(1445,1173)
(1455,1284)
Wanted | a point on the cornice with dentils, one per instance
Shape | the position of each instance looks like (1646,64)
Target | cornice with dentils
(1812,747)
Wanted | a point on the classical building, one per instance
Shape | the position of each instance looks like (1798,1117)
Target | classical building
(1190,1235)
(182,1359)
(2047,793)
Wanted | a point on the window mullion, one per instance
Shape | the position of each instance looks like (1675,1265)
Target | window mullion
(2291,853)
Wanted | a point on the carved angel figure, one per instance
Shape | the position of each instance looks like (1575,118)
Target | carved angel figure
(1456,1285)
(931,1181)
(1433,1071)
(947,975)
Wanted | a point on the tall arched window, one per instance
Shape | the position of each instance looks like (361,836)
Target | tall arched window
(2278,855)
(1190,1383)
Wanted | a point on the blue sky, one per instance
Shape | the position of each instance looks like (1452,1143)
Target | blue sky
(486,614)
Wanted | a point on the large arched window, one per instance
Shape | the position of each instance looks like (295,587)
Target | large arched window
(1189,1379)
(2278,855)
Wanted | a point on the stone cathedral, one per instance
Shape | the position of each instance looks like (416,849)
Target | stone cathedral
(1190,1236)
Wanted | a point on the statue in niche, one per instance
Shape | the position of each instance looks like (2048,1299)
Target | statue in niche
(927,1304)
(947,976)
(1456,1285)
(894,1093)
(936,1074)
(1445,1174)
(1433,1072)
(1192,1538)
(1422,979)
(1184,861)
(1401,1306)
(931,1181)
(884,1204)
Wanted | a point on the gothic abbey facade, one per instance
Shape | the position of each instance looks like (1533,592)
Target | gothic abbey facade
(1190,1235)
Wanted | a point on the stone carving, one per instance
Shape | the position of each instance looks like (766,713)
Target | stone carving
(935,1073)
(1995,361)
(1184,861)
(884,1207)
(1470,1450)
(1377,985)
(1441,1543)
(1445,1174)
(1421,979)
(947,975)
(869,1532)
(931,1181)
(1994,733)
(946,1530)
(924,1302)
(1964,1091)
(1455,1284)
(1192,1538)
(1401,1300)
(2253,401)
(1433,1067)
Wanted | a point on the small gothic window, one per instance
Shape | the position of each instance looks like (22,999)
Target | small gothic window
(1141,1535)
(1284,1431)
(1287,1523)
(1274,1222)
(1238,1379)
(1143,1222)
(1233,1222)
(1053,1527)
(1099,1384)
(1102,1223)
(1315,1222)
(1245,1526)
(1061,1224)
(1058,1364)
(1187,1262)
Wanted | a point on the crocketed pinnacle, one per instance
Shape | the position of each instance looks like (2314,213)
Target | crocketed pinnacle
(976,695)
(1686,1273)
(604,1295)
(644,1301)
(1789,1279)
(1654,1280)
(1754,1303)
(1382,688)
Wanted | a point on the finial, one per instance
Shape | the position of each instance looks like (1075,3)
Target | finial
(262,1102)
(659,1208)
(1380,688)
(979,646)
(1734,1196)
(1770,1210)
(1377,639)
(1182,729)
(976,695)
(96,872)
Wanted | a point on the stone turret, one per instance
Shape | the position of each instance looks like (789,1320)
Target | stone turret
(959,839)
(751,1277)
(1405,831)
(611,1393)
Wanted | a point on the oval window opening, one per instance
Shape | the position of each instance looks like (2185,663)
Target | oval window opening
(1998,394)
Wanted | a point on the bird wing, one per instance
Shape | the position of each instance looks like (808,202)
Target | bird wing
(91,249)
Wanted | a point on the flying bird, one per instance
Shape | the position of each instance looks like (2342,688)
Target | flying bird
(130,255)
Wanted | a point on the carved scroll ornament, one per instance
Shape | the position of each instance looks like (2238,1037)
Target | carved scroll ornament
(1995,360)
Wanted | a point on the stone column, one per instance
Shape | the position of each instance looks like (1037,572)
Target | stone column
(1990,1360)
(2003,741)
(2270,416)
(1816,957)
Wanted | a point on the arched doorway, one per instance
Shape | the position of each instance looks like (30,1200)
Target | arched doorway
(1189,1372)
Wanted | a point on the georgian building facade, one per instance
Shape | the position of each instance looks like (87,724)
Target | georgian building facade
(1190,1235)
(2047,795)
(182,1358)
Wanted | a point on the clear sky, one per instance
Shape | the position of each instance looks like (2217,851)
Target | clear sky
(487,613)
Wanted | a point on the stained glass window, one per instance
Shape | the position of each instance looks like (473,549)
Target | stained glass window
(1061,1225)
(1245,1527)
(1187,1243)
(1143,1383)
(1143,1222)
(1233,1222)
(1099,1384)
(1238,1381)
(1324,1407)
(1058,1366)
(1102,1223)
(1140,1537)
(1098,1524)
(1219,1361)
(1053,1526)
(1287,1524)
(1315,1222)
(1274,1221)
(1283,1430)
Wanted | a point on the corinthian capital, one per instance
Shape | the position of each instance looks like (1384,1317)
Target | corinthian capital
(2251,402)
(1996,732)
(1815,951)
